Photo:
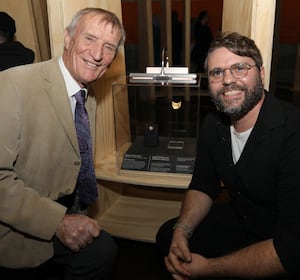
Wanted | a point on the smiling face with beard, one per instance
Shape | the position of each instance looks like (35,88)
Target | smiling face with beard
(251,97)
(235,97)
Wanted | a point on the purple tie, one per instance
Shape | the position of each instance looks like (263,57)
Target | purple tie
(86,182)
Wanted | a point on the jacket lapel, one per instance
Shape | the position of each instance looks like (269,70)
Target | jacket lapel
(59,100)
(269,117)
(223,132)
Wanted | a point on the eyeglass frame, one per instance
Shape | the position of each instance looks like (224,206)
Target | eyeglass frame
(249,67)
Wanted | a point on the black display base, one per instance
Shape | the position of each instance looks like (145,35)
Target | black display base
(175,155)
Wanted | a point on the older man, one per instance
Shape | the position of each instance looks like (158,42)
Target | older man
(47,178)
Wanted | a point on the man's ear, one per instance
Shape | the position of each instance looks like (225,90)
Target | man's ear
(66,39)
(262,73)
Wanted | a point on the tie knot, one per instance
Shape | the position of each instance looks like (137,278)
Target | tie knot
(80,96)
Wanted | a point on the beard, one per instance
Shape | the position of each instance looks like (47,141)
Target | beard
(251,98)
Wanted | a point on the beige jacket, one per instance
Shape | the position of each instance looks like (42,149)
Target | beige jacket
(39,160)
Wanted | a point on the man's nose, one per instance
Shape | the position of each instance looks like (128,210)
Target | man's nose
(228,78)
(97,52)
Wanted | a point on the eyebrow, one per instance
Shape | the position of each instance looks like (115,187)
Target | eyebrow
(98,38)
(219,67)
(113,45)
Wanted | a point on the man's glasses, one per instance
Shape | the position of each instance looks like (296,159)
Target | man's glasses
(238,71)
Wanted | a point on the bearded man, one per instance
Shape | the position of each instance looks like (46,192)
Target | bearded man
(250,145)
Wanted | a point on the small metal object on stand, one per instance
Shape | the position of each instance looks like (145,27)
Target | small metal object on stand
(165,74)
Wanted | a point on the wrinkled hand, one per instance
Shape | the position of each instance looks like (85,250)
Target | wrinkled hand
(77,231)
(179,254)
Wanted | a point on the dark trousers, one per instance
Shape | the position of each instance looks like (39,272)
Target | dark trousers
(96,261)
(219,233)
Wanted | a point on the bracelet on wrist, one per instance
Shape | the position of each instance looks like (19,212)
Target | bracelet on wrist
(188,229)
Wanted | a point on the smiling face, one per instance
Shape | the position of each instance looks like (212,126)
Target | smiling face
(90,50)
(235,97)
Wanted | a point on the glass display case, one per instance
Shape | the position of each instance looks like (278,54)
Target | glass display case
(156,126)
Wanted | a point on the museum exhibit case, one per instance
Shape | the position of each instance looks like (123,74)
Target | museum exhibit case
(162,125)
(156,127)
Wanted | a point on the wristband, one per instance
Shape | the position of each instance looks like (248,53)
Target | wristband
(188,229)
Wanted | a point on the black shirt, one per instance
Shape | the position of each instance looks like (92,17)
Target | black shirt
(14,53)
(264,184)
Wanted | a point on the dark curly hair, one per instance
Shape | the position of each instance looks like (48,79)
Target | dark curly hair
(237,44)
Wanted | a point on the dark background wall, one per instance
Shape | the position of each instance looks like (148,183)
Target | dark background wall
(288,31)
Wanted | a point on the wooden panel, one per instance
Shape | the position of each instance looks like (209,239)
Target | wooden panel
(40,16)
(132,213)
(57,21)
(262,31)
(255,19)
(107,197)
(138,218)
(26,14)
(237,16)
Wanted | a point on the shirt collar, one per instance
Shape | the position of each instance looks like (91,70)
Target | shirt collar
(71,85)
